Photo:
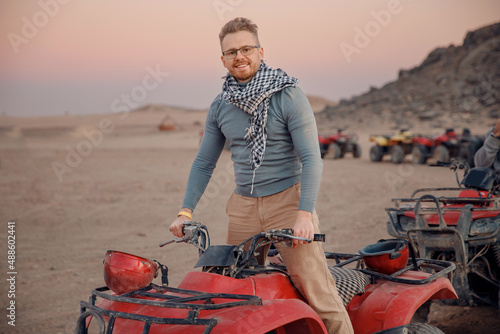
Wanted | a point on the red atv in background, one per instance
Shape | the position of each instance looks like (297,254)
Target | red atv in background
(440,148)
(382,288)
(446,147)
(423,147)
(337,145)
(461,225)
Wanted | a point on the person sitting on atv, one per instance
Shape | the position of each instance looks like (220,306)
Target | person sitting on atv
(488,155)
(261,109)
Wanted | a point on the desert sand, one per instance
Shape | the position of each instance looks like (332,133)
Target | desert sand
(77,186)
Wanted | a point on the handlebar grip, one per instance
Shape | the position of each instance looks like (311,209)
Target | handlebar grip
(319,237)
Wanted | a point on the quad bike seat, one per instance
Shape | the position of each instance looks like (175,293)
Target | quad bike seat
(349,282)
(481,178)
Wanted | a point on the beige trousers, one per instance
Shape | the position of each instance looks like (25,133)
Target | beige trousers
(306,264)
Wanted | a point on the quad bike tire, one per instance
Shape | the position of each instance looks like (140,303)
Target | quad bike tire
(419,155)
(323,148)
(356,150)
(376,153)
(466,154)
(397,154)
(333,151)
(441,154)
(468,150)
(421,328)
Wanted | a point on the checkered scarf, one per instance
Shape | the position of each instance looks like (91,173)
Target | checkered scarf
(254,99)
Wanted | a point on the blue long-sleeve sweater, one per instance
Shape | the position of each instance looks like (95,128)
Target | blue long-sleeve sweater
(291,155)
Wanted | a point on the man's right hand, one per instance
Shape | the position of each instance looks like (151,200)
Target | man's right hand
(177,225)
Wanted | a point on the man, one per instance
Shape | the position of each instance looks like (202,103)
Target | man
(272,134)
(487,155)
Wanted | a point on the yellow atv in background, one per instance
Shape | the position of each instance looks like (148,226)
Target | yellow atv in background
(398,146)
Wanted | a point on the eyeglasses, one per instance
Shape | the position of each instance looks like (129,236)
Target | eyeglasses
(246,50)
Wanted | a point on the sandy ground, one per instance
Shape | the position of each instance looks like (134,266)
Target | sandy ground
(127,185)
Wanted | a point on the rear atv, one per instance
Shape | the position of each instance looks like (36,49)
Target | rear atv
(463,227)
(233,294)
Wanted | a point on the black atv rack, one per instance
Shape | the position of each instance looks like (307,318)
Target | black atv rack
(489,200)
(160,300)
(440,268)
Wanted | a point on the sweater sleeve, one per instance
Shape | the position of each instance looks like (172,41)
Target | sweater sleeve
(487,154)
(205,161)
(302,126)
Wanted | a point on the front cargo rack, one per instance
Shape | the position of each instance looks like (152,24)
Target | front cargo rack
(195,302)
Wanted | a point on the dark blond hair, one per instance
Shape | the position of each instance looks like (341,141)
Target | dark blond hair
(239,24)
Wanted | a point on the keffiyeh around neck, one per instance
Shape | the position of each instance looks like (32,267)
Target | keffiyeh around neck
(254,98)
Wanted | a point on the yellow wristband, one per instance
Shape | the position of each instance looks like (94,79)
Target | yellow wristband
(184,213)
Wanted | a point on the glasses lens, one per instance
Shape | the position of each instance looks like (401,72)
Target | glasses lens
(230,53)
(246,51)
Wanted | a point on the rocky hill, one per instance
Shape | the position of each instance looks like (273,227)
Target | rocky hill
(453,87)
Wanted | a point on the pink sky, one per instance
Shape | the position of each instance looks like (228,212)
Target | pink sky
(80,56)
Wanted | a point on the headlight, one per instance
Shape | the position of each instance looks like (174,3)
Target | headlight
(406,222)
(484,226)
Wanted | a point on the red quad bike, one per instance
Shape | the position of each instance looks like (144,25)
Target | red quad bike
(441,148)
(446,147)
(337,145)
(232,294)
(423,147)
(463,227)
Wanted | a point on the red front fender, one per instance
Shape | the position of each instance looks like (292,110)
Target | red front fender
(282,316)
(386,304)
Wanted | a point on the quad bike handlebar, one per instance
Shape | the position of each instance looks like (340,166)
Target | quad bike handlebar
(234,256)
(195,234)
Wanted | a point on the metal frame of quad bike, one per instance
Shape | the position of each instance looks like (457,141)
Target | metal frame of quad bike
(427,238)
(155,295)
(194,302)
(89,309)
(439,268)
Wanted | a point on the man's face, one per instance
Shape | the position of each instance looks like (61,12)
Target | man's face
(242,68)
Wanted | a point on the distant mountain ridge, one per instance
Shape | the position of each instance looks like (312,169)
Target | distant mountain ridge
(453,86)
(318,103)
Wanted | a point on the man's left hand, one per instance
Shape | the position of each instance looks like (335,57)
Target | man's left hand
(303,227)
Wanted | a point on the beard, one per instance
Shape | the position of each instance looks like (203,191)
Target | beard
(247,74)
